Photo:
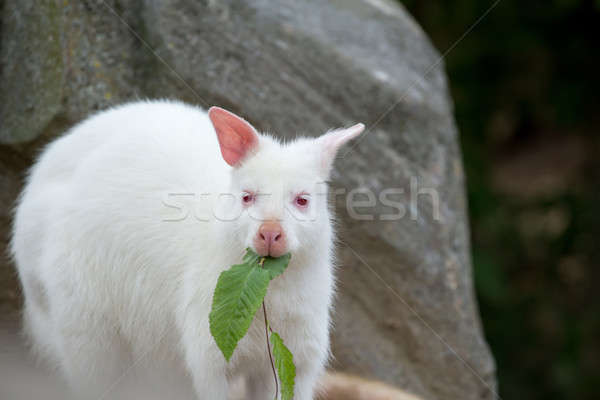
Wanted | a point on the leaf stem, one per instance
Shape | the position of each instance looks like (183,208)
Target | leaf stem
(267,329)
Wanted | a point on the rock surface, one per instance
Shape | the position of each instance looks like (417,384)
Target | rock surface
(406,312)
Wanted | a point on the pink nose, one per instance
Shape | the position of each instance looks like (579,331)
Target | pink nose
(270,240)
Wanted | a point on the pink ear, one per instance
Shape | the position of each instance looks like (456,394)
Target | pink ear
(236,136)
(332,141)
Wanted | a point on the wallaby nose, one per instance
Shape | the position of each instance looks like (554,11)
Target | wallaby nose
(270,240)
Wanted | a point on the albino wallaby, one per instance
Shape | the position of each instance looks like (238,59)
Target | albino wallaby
(126,222)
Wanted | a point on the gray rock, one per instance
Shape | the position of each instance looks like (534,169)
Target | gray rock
(406,311)
(32,70)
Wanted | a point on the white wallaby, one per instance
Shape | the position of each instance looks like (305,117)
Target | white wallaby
(126,223)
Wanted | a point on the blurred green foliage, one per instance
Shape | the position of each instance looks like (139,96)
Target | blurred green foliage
(526,85)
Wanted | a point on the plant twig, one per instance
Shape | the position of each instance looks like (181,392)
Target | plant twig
(267,329)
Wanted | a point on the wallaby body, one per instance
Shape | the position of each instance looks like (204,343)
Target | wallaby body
(126,223)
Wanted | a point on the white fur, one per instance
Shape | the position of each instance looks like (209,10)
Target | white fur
(116,274)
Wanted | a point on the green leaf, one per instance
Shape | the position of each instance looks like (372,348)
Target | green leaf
(276,266)
(250,257)
(239,293)
(284,362)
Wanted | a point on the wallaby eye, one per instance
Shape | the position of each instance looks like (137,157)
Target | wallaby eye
(248,198)
(302,200)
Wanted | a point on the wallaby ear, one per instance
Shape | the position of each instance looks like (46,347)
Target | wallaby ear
(237,138)
(332,141)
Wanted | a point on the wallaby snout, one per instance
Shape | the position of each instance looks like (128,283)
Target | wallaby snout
(270,240)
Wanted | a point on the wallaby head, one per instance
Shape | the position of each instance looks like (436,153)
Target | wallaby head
(278,189)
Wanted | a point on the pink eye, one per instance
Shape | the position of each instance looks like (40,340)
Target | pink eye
(248,198)
(301,201)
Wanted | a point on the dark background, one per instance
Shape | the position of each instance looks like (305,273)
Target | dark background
(525,85)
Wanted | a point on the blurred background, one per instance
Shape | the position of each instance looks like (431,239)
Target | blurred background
(525,85)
